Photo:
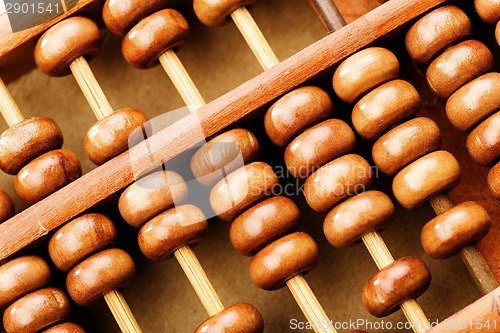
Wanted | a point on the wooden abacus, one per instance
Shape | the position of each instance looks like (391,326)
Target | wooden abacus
(319,59)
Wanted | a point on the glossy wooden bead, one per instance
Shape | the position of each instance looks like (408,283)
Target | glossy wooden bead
(46,174)
(363,71)
(66,41)
(283,259)
(406,143)
(7,209)
(474,101)
(36,311)
(121,15)
(361,214)
(383,107)
(155,34)
(458,65)
(296,111)
(445,234)
(429,175)
(65,328)
(94,277)
(215,13)
(80,238)
(347,175)
(489,10)
(483,143)
(241,189)
(394,284)
(224,154)
(436,31)
(151,195)
(167,232)
(26,140)
(497,33)
(494,180)
(110,136)
(318,145)
(21,276)
(238,318)
(263,224)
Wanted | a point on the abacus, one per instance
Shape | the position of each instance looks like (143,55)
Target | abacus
(324,117)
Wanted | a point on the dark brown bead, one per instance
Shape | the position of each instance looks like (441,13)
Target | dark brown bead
(216,13)
(65,328)
(483,143)
(238,318)
(7,209)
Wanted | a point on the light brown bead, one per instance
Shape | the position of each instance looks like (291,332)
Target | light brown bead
(318,145)
(110,136)
(80,238)
(121,15)
(21,276)
(347,175)
(429,175)
(151,195)
(65,328)
(7,209)
(494,180)
(405,143)
(474,101)
(238,318)
(36,311)
(497,33)
(224,154)
(283,259)
(241,189)
(483,143)
(152,36)
(363,71)
(215,13)
(94,277)
(66,41)
(46,174)
(436,31)
(445,234)
(489,10)
(167,232)
(383,107)
(458,65)
(394,284)
(263,224)
(296,111)
(361,214)
(26,140)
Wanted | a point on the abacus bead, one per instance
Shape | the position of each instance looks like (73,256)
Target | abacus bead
(436,31)
(241,189)
(36,311)
(264,223)
(444,235)
(26,140)
(151,195)
(46,174)
(429,175)
(364,71)
(474,101)
(238,318)
(65,328)
(66,41)
(483,143)
(458,65)
(494,180)
(167,232)
(295,111)
(7,208)
(21,276)
(154,35)
(333,182)
(224,154)
(383,107)
(215,13)
(489,10)
(497,33)
(405,143)
(317,145)
(363,213)
(394,284)
(96,276)
(80,238)
(120,16)
(110,136)
(283,259)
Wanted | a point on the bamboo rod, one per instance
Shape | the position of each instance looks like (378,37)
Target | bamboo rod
(122,313)
(8,107)
(416,316)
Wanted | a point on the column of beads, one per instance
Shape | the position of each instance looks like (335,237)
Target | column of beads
(489,10)
(461,75)
(30,304)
